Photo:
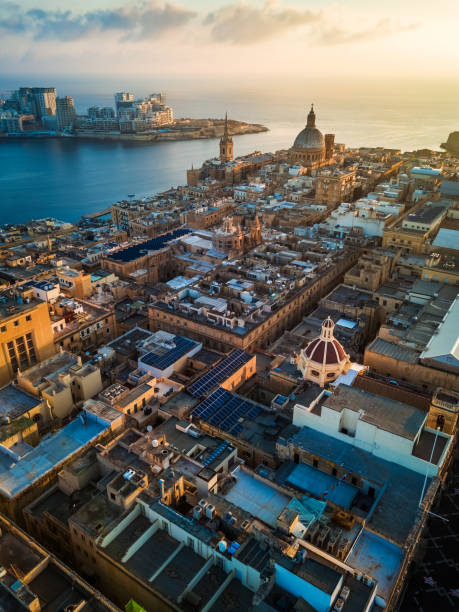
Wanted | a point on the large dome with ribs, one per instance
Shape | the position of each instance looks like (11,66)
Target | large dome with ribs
(318,348)
(310,137)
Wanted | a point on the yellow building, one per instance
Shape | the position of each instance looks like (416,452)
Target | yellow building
(334,187)
(61,381)
(74,283)
(444,411)
(25,334)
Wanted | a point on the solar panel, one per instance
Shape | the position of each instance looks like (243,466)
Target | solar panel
(161,362)
(221,372)
(154,244)
(227,411)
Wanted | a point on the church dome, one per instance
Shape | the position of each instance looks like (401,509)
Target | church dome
(323,351)
(324,358)
(310,137)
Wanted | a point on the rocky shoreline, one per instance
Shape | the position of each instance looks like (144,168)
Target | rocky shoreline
(181,129)
(452,144)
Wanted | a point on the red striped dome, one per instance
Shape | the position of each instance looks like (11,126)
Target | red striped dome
(319,348)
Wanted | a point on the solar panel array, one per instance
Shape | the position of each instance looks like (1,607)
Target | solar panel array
(226,411)
(216,453)
(155,244)
(220,373)
(182,346)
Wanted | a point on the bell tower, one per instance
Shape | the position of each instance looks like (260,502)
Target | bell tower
(226,144)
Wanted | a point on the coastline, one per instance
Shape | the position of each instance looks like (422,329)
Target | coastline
(181,130)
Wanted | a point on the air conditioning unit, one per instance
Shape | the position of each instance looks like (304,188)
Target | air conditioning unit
(197,513)
(210,511)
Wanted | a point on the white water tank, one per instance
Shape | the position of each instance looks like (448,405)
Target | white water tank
(222,546)
(155,443)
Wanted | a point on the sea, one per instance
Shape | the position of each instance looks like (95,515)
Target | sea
(66,179)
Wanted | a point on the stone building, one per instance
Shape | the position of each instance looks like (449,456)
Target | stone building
(234,238)
(310,148)
(25,333)
(444,411)
(226,144)
(335,186)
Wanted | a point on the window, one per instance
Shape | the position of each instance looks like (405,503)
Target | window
(3,328)
(28,318)
(315,463)
(16,323)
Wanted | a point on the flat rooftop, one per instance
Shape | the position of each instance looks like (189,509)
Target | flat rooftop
(397,508)
(12,306)
(397,418)
(311,480)
(379,559)
(18,474)
(60,362)
(257,497)
(127,343)
(14,402)
(426,214)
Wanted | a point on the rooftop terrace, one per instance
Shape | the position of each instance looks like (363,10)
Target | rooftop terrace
(17,473)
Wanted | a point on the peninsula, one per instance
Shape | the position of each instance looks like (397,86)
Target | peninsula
(180,129)
(37,112)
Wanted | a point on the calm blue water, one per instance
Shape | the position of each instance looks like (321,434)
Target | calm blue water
(67,179)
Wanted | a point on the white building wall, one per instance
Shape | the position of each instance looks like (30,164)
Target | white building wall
(295,585)
(368,437)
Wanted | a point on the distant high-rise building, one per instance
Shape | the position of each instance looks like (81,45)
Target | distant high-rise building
(96,112)
(65,111)
(226,144)
(123,99)
(45,101)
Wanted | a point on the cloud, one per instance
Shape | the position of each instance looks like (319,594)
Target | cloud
(244,24)
(339,36)
(138,22)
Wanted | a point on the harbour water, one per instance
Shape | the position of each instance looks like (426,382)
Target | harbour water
(66,179)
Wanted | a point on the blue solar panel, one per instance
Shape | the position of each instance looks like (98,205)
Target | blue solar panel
(220,373)
(154,244)
(161,362)
(227,411)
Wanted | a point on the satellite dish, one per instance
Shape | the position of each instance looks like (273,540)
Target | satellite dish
(149,427)
(155,443)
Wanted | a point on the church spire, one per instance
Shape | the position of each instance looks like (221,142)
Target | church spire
(226,144)
(311,118)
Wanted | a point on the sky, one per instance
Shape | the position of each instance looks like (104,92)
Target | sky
(300,39)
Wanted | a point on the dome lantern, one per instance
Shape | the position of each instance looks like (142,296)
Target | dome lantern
(311,121)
